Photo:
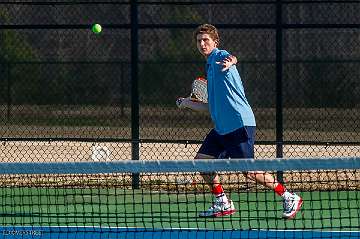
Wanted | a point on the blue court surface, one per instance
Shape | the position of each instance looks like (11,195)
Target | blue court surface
(138,233)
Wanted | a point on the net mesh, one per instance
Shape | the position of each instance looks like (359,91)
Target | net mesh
(171,194)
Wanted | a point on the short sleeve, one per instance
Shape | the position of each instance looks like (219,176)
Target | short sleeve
(222,55)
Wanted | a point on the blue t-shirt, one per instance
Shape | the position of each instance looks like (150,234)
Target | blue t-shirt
(228,105)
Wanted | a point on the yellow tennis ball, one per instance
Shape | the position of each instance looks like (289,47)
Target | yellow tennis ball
(96,28)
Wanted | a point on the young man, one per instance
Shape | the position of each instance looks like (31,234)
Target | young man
(234,132)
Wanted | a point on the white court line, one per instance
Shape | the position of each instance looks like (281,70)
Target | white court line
(189,228)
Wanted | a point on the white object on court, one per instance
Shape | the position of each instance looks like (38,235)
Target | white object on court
(100,153)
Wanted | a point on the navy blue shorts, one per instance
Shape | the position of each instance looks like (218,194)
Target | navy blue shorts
(237,144)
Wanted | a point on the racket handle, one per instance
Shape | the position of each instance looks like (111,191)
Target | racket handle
(180,102)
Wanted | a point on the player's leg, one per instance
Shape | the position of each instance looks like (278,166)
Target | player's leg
(291,201)
(221,206)
(240,144)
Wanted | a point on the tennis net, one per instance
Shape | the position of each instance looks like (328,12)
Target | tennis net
(101,197)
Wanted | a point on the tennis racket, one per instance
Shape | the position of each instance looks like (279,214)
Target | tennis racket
(199,90)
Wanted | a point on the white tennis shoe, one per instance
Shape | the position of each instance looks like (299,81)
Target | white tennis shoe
(292,204)
(219,209)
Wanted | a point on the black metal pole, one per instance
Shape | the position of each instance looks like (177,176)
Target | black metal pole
(135,138)
(122,89)
(8,93)
(279,92)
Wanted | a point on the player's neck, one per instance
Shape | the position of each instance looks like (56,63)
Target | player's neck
(207,56)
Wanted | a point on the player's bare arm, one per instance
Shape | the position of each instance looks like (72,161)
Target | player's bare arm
(183,103)
(198,99)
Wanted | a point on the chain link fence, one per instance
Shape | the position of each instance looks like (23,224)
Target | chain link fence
(68,94)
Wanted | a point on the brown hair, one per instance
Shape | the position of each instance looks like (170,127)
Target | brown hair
(207,29)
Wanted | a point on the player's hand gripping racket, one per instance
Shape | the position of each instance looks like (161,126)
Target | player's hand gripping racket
(198,93)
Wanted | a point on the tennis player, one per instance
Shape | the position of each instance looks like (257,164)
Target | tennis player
(234,132)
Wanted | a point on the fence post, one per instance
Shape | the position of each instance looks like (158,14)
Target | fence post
(279,92)
(8,92)
(135,138)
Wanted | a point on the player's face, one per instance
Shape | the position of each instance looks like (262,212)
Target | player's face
(205,44)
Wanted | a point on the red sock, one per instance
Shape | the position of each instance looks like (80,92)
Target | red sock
(279,189)
(217,190)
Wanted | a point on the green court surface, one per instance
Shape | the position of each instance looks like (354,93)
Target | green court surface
(333,211)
